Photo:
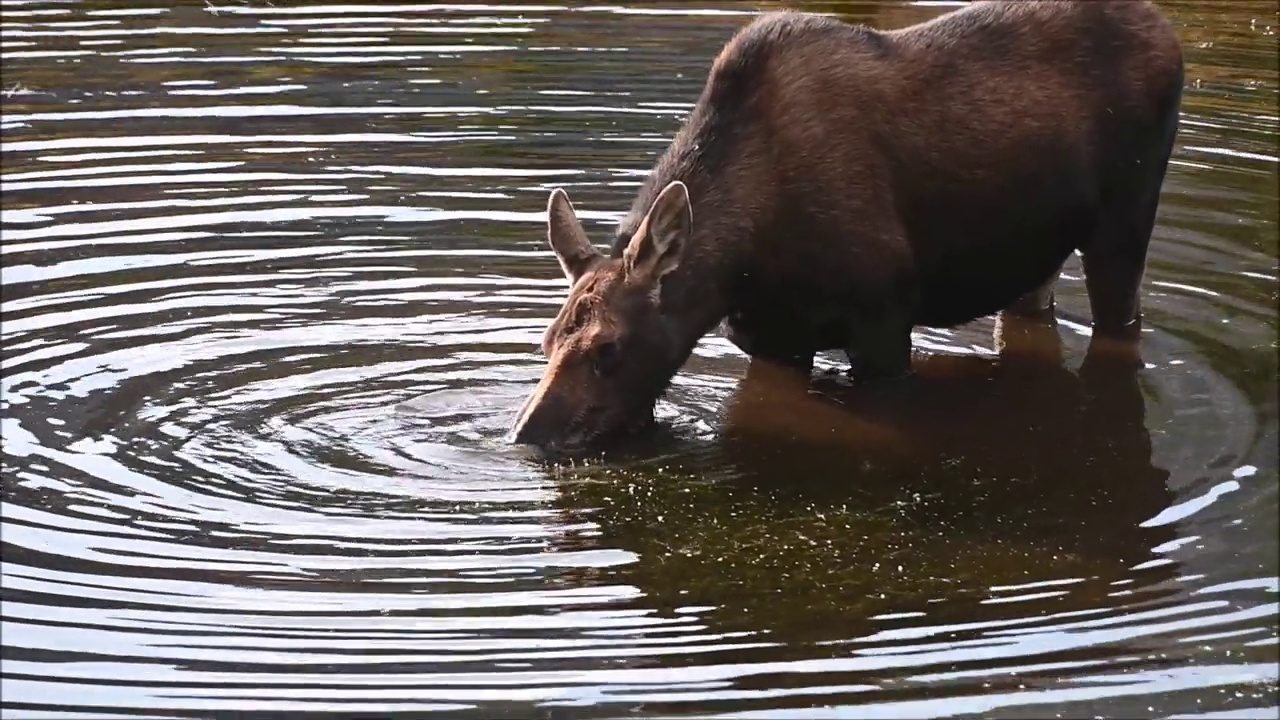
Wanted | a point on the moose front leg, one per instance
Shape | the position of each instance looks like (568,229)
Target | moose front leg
(879,346)
(777,340)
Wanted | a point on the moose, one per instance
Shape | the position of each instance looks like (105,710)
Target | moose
(836,186)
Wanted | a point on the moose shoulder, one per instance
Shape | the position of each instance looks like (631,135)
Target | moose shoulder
(836,186)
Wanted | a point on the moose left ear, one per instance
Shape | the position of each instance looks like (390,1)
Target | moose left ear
(656,247)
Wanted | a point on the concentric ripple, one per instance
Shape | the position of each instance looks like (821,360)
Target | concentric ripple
(274,279)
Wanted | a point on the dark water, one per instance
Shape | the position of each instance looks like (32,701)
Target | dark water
(273,279)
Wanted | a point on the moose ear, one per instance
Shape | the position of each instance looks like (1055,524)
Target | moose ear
(656,247)
(567,238)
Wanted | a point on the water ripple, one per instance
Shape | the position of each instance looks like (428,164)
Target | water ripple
(274,280)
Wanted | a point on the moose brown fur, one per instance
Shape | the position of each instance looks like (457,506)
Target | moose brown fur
(836,186)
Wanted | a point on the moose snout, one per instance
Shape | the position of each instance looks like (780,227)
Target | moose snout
(540,421)
(562,419)
(530,428)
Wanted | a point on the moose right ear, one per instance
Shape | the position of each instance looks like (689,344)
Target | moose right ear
(567,238)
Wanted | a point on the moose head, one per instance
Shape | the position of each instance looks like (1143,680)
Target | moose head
(611,349)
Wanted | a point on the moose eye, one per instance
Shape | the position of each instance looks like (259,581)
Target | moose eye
(606,358)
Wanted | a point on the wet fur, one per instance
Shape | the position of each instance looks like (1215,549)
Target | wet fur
(848,184)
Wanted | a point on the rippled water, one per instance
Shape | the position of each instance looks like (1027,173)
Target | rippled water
(273,279)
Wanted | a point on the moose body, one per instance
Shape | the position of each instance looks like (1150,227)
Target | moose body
(850,184)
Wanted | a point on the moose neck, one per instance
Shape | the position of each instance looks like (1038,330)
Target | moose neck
(695,298)
(699,292)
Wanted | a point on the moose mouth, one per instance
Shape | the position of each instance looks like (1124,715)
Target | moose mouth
(576,446)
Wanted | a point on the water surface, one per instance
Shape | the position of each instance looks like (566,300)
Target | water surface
(273,281)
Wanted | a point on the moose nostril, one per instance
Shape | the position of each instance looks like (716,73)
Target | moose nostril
(521,430)
(533,426)
(526,430)
(542,440)
(528,434)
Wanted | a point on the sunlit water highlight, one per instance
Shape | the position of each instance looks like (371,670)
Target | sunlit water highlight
(273,283)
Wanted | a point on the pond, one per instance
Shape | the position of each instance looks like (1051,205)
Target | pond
(274,278)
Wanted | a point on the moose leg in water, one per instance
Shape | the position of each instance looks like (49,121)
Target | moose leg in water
(1115,257)
(776,335)
(1038,303)
(879,345)
(784,330)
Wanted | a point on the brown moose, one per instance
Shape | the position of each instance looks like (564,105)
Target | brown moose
(836,186)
